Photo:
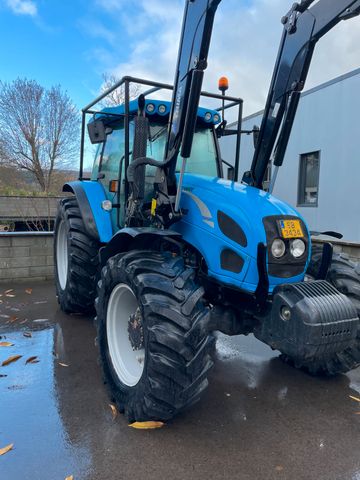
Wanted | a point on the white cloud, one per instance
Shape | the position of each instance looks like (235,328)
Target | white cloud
(22,7)
(245,42)
(96,29)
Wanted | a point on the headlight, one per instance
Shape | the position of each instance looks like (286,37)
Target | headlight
(207,117)
(106,205)
(150,107)
(297,248)
(216,118)
(278,248)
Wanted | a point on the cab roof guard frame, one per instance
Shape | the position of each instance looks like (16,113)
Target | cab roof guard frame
(156,86)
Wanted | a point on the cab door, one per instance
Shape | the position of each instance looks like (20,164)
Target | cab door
(111,167)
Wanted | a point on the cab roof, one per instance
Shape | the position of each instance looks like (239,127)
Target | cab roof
(161,110)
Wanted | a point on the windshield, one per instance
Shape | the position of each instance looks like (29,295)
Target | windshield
(203,160)
(203,153)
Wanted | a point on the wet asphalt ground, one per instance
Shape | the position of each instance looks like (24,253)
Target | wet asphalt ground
(260,419)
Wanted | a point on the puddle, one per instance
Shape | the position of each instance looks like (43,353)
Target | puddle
(29,416)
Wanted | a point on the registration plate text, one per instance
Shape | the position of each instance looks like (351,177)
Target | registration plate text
(290,228)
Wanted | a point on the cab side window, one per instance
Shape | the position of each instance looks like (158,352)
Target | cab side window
(111,160)
(111,157)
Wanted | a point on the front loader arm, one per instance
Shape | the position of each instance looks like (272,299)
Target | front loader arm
(303,27)
(192,61)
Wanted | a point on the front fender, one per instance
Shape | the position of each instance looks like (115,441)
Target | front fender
(90,195)
(133,238)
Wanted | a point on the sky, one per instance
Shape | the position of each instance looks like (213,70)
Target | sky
(73,42)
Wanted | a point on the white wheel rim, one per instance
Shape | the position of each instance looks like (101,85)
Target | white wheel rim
(62,254)
(128,363)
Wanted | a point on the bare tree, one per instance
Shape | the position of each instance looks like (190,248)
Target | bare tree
(39,128)
(117,96)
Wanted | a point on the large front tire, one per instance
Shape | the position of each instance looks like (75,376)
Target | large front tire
(344,275)
(150,310)
(76,260)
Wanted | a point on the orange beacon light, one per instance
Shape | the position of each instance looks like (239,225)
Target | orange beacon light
(223,84)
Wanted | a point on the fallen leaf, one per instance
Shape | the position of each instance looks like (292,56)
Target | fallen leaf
(357,413)
(40,302)
(13,318)
(63,364)
(11,359)
(28,291)
(9,291)
(70,477)
(146,425)
(4,316)
(113,410)
(6,449)
(41,320)
(10,295)
(33,359)
(6,344)
(23,321)
(27,334)
(354,398)
(279,468)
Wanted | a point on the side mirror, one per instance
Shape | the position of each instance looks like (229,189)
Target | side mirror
(256,132)
(97,131)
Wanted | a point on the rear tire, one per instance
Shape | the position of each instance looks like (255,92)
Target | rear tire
(344,275)
(176,348)
(76,260)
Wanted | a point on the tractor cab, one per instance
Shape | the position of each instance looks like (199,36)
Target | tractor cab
(109,163)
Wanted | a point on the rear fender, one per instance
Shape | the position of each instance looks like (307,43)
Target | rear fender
(90,196)
(134,238)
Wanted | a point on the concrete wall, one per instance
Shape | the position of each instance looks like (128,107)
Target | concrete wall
(22,208)
(25,256)
(327,120)
(351,249)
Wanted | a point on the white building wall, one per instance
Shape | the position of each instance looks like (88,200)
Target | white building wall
(327,120)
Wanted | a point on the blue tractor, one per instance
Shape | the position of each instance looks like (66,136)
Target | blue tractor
(168,250)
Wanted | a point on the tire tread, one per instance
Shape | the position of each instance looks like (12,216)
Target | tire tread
(176,368)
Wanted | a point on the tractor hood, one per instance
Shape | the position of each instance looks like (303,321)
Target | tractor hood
(221,215)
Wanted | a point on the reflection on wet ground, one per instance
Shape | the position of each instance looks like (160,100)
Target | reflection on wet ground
(259,420)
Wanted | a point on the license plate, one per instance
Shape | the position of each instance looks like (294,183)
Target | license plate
(290,228)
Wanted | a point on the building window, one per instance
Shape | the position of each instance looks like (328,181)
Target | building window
(308,187)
